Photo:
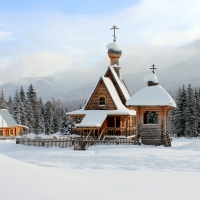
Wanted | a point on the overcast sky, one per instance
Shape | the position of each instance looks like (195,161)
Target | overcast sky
(55,37)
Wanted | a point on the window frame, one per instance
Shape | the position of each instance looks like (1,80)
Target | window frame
(102,101)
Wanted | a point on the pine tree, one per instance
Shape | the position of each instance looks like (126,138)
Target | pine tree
(180,115)
(190,113)
(10,106)
(196,111)
(17,108)
(32,96)
(48,116)
(29,115)
(3,103)
(22,95)
(66,125)
(41,108)
(56,115)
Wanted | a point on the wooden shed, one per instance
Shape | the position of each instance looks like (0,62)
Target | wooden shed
(152,105)
(8,126)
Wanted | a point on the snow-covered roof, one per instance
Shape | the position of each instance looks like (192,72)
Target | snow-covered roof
(151,96)
(6,119)
(95,118)
(120,83)
(113,46)
(150,77)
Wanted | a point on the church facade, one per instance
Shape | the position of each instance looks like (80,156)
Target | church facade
(111,111)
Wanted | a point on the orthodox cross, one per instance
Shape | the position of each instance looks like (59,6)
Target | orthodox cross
(114,28)
(153,67)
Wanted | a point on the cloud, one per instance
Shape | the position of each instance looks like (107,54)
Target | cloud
(52,43)
(4,34)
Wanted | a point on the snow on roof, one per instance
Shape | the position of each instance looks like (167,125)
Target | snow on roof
(151,96)
(6,119)
(120,83)
(113,46)
(150,77)
(95,118)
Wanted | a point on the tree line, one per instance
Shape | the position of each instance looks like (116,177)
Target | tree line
(28,110)
(185,118)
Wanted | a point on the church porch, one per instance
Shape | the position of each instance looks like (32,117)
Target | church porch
(120,125)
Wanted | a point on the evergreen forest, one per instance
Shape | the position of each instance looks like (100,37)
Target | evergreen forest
(185,118)
(29,110)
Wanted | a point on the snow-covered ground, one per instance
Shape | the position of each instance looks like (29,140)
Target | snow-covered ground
(101,172)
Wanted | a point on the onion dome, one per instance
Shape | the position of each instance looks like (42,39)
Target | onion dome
(151,80)
(114,53)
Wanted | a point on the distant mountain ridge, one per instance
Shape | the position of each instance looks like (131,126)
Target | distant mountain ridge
(171,78)
(41,84)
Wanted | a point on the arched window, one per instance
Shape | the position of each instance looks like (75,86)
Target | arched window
(150,117)
(153,118)
(102,101)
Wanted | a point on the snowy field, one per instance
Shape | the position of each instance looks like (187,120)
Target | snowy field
(101,172)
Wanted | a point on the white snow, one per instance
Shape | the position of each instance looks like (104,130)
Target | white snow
(120,83)
(113,46)
(150,77)
(31,136)
(102,172)
(44,136)
(151,96)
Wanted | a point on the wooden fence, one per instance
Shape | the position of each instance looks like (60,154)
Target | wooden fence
(55,142)
(77,143)
(6,138)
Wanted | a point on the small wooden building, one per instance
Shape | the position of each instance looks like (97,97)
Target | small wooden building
(8,126)
(152,105)
(111,111)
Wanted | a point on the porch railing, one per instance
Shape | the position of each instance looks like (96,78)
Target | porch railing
(124,131)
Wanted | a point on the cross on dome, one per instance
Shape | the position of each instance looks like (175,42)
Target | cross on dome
(153,67)
(114,28)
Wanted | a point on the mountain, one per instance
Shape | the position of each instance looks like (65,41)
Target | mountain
(172,77)
(42,85)
(194,45)
(76,98)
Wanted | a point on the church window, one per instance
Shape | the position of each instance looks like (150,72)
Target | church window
(1,133)
(102,101)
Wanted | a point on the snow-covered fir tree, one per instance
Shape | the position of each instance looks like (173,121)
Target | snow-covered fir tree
(17,108)
(66,124)
(3,103)
(190,113)
(10,106)
(27,110)
(185,119)
(29,115)
(48,117)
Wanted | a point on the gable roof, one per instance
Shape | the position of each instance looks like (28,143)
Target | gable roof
(120,82)
(151,96)
(95,118)
(6,119)
(95,89)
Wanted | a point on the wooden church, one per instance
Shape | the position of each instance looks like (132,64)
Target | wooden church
(111,111)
